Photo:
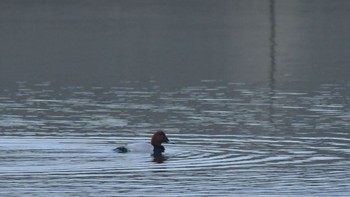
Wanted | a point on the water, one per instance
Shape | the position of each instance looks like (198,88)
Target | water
(254,94)
(229,140)
(174,42)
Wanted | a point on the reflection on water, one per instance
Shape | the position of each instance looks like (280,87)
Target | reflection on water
(59,140)
(272,77)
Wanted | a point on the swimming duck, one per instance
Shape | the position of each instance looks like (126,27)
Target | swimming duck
(154,147)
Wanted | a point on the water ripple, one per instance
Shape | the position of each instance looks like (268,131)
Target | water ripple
(230,139)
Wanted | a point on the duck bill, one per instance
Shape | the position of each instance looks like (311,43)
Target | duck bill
(168,141)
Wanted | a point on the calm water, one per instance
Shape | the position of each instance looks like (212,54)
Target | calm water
(253,93)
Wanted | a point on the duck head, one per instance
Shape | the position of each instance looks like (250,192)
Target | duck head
(158,138)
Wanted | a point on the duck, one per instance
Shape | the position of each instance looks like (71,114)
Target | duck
(155,147)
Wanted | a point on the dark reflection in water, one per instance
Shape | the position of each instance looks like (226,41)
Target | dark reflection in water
(159,158)
(272,82)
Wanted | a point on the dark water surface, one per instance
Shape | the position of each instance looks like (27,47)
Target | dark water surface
(174,41)
(254,94)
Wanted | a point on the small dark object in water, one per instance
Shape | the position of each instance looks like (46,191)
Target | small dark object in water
(121,149)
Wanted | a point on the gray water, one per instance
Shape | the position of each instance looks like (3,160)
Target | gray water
(254,95)
(229,139)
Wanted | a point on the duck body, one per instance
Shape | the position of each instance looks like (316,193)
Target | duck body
(155,147)
(139,147)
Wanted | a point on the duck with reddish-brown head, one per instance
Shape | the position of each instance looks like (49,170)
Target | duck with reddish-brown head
(156,147)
